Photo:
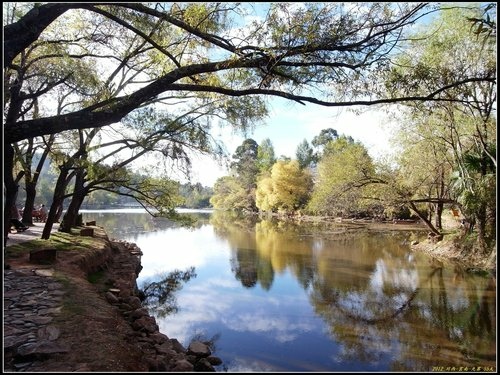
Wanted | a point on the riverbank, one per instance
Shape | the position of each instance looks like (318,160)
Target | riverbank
(92,286)
(80,311)
(450,249)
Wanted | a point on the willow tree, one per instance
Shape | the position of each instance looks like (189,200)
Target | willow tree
(326,54)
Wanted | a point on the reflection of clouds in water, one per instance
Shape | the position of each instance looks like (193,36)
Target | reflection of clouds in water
(195,309)
(221,300)
(280,327)
(457,298)
(390,288)
(373,344)
(242,365)
(397,277)
(179,249)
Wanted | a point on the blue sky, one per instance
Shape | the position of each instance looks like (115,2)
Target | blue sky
(289,124)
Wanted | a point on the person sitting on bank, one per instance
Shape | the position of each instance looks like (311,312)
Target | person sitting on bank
(43,213)
(15,220)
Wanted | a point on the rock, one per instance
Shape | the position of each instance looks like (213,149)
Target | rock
(111,298)
(177,346)
(45,272)
(160,338)
(138,313)
(87,232)
(40,349)
(134,302)
(50,333)
(215,361)
(203,365)
(182,366)
(165,348)
(199,349)
(145,323)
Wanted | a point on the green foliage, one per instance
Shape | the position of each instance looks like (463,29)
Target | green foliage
(245,162)
(238,190)
(325,137)
(159,194)
(265,156)
(195,195)
(305,155)
(429,60)
(343,172)
(485,26)
(230,194)
(449,153)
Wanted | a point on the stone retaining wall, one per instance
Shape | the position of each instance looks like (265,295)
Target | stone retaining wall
(122,265)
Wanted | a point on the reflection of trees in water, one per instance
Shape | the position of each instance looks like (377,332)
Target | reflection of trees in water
(132,225)
(419,327)
(159,297)
(471,322)
(249,268)
(376,301)
(305,250)
(361,313)
(229,223)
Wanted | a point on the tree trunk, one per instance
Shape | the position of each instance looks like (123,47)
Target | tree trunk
(425,220)
(10,189)
(71,216)
(57,201)
(481,229)
(29,204)
(19,35)
(439,213)
(30,184)
(79,193)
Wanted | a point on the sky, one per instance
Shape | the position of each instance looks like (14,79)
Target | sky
(288,124)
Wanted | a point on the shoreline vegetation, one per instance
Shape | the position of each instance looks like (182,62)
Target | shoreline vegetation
(456,246)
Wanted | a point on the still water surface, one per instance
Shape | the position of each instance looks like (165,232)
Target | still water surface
(279,297)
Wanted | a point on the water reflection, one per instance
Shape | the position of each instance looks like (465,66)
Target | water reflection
(159,296)
(284,297)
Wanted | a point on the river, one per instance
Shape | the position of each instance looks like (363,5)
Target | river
(277,297)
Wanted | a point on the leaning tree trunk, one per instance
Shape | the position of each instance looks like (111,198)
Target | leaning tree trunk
(70,218)
(57,201)
(79,192)
(437,234)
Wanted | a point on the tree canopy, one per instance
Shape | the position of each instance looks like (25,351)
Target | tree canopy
(192,47)
(186,66)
